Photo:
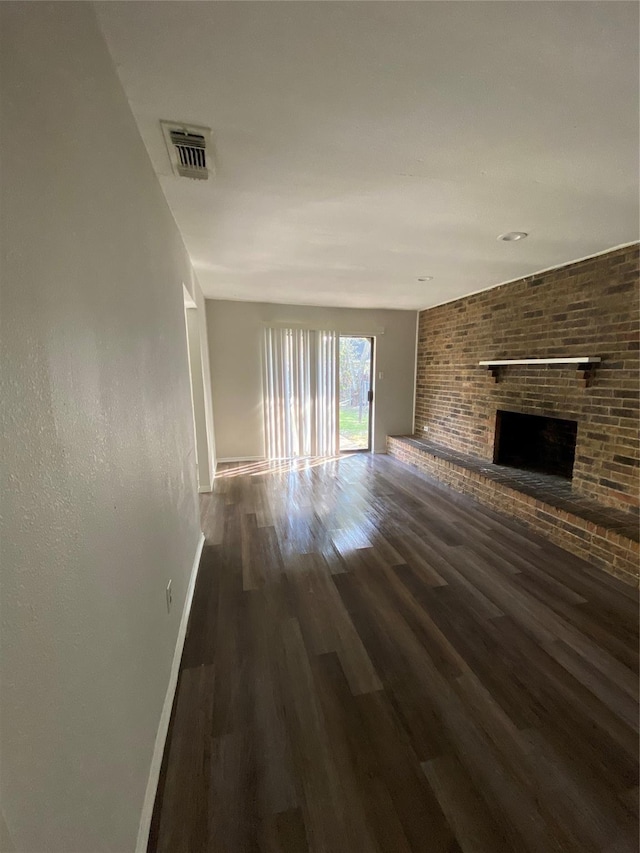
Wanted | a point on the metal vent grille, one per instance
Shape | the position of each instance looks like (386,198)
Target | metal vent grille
(187,146)
(191,151)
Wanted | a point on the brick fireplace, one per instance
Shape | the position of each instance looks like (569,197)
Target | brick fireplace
(540,420)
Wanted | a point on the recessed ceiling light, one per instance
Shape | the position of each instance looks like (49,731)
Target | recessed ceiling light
(512,236)
(426,278)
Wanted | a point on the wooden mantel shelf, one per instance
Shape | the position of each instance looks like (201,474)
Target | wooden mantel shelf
(584,363)
(584,359)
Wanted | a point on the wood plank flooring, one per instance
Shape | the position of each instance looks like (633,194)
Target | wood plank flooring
(374,664)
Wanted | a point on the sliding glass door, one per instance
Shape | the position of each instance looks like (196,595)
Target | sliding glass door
(356,394)
(317,393)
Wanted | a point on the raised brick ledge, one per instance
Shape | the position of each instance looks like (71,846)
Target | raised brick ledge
(601,535)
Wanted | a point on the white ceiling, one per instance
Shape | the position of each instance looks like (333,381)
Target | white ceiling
(362,145)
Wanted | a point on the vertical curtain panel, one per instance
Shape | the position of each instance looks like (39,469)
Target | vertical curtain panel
(300,393)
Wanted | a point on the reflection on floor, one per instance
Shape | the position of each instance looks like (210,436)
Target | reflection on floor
(376,664)
(261,467)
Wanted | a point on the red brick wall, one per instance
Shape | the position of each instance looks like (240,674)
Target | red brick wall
(586,308)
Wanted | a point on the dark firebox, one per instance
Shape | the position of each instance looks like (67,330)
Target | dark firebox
(535,443)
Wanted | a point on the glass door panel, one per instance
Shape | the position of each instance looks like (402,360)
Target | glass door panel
(356,394)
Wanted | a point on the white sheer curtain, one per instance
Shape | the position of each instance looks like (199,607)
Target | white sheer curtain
(300,393)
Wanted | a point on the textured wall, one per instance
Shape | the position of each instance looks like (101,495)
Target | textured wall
(587,308)
(236,332)
(99,502)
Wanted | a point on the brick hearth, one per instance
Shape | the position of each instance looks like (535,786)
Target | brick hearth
(604,536)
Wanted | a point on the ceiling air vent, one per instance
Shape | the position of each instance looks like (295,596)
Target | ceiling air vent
(189,149)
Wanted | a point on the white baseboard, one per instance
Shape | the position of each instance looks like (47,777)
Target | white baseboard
(165,716)
(243,459)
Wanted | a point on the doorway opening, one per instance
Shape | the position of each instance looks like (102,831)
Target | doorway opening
(356,392)
(198,404)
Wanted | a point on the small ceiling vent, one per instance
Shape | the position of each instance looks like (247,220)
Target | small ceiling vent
(189,149)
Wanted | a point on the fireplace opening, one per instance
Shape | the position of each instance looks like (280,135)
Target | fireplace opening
(535,443)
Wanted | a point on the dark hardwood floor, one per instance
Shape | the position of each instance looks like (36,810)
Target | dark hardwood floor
(375,664)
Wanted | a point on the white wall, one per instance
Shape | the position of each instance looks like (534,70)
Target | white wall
(99,501)
(235,345)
